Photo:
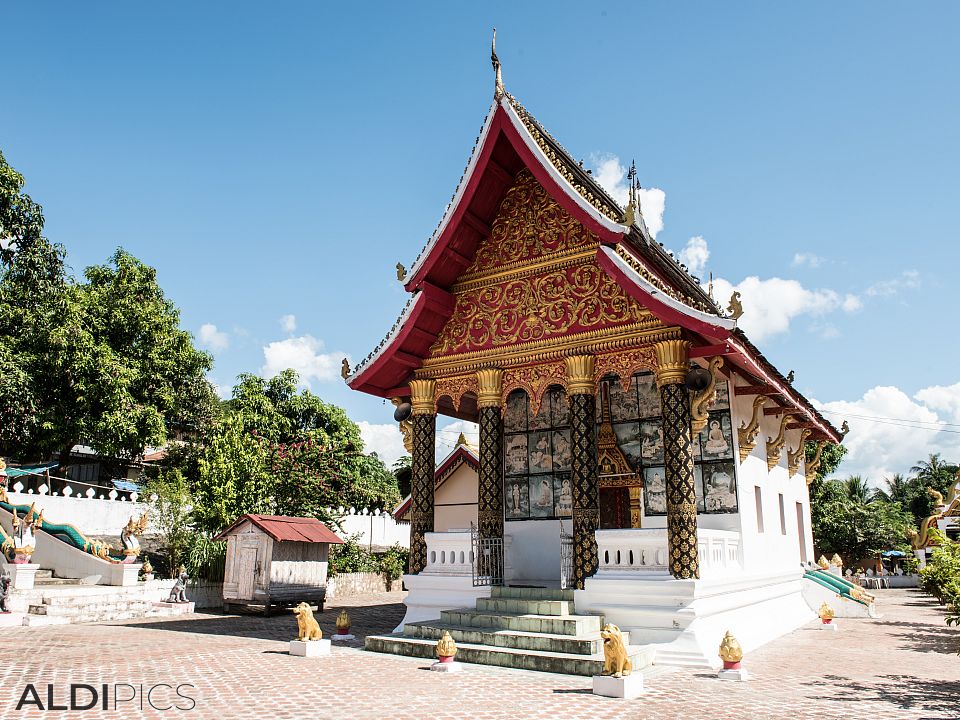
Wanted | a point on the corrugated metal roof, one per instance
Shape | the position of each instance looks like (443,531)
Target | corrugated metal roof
(283,529)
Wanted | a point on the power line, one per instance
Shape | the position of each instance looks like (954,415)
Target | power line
(880,417)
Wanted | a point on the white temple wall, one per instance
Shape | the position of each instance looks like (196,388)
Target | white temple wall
(455,502)
(92,516)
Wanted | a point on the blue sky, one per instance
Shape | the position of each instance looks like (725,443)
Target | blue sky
(279,159)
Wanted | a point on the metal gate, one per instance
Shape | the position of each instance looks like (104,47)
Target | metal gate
(566,559)
(487,558)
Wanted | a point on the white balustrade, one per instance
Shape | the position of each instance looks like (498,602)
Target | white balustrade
(18,487)
(633,550)
(449,553)
(645,550)
(43,489)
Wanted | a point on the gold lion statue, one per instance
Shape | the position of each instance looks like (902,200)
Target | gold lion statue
(615,659)
(309,628)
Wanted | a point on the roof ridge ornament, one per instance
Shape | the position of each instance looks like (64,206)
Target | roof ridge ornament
(633,199)
(498,91)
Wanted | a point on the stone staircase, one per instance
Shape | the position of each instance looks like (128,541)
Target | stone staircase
(523,628)
(59,601)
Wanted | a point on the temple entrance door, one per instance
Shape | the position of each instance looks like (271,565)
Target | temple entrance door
(614,508)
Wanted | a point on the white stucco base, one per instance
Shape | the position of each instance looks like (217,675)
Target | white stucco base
(21,576)
(428,595)
(686,619)
(815,594)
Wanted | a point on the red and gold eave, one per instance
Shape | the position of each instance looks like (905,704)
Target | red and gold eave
(511,140)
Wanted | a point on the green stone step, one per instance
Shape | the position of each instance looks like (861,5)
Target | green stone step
(554,662)
(433,630)
(527,593)
(561,608)
(532,623)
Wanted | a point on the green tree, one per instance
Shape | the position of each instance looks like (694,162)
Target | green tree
(829,459)
(858,490)
(897,487)
(854,529)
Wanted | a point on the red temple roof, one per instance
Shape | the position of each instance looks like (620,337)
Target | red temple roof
(510,140)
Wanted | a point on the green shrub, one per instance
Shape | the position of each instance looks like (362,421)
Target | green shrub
(393,563)
(941,576)
(351,557)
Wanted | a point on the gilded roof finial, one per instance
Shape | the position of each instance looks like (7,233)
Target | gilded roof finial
(462,440)
(735,308)
(401,272)
(498,91)
(710,286)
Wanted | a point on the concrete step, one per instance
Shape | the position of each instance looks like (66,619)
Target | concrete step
(433,630)
(543,661)
(530,593)
(532,623)
(560,608)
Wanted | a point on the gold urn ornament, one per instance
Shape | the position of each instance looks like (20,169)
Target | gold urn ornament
(343,623)
(836,560)
(826,614)
(730,652)
(823,563)
(446,648)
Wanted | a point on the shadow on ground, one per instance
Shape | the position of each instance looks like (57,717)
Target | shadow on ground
(368,619)
(904,691)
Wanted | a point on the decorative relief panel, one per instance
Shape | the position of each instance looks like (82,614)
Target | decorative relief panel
(534,379)
(456,387)
(625,364)
(528,226)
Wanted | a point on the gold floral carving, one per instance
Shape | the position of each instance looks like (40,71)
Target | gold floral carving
(423,396)
(775,444)
(550,304)
(672,361)
(456,387)
(794,457)
(747,433)
(529,225)
(703,400)
(489,387)
(624,364)
(534,380)
(810,470)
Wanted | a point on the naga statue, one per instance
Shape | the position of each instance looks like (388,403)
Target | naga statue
(24,542)
(130,537)
(943,508)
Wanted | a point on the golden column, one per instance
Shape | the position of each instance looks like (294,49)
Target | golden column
(423,468)
(583,466)
(490,486)
(673,363)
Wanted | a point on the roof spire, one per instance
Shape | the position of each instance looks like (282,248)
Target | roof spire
(630,212)
(498,87)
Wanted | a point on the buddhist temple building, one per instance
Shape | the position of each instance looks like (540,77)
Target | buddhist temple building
(636,448)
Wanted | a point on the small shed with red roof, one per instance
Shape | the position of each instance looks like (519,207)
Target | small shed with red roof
(274,560)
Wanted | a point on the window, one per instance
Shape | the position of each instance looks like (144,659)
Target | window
(758,498)
(783,517)
(802,533)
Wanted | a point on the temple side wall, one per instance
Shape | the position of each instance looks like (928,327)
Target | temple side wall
(776,547)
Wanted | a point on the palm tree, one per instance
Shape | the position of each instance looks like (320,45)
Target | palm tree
(933,471)
(858,490)
(897,490)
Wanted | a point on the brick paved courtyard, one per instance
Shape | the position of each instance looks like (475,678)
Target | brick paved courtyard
(903,665)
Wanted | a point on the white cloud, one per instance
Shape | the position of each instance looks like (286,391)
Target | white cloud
(890,431)
(303,354)
(695,255)
(908,280)
(612,177)
(212,338)
(288,323)
(383,439)
(770,305)
(807,259)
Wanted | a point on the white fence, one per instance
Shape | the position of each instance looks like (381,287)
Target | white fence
(376,528)
(91,514)
(645,550)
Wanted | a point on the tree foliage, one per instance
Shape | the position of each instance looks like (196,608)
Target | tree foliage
(851,527)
